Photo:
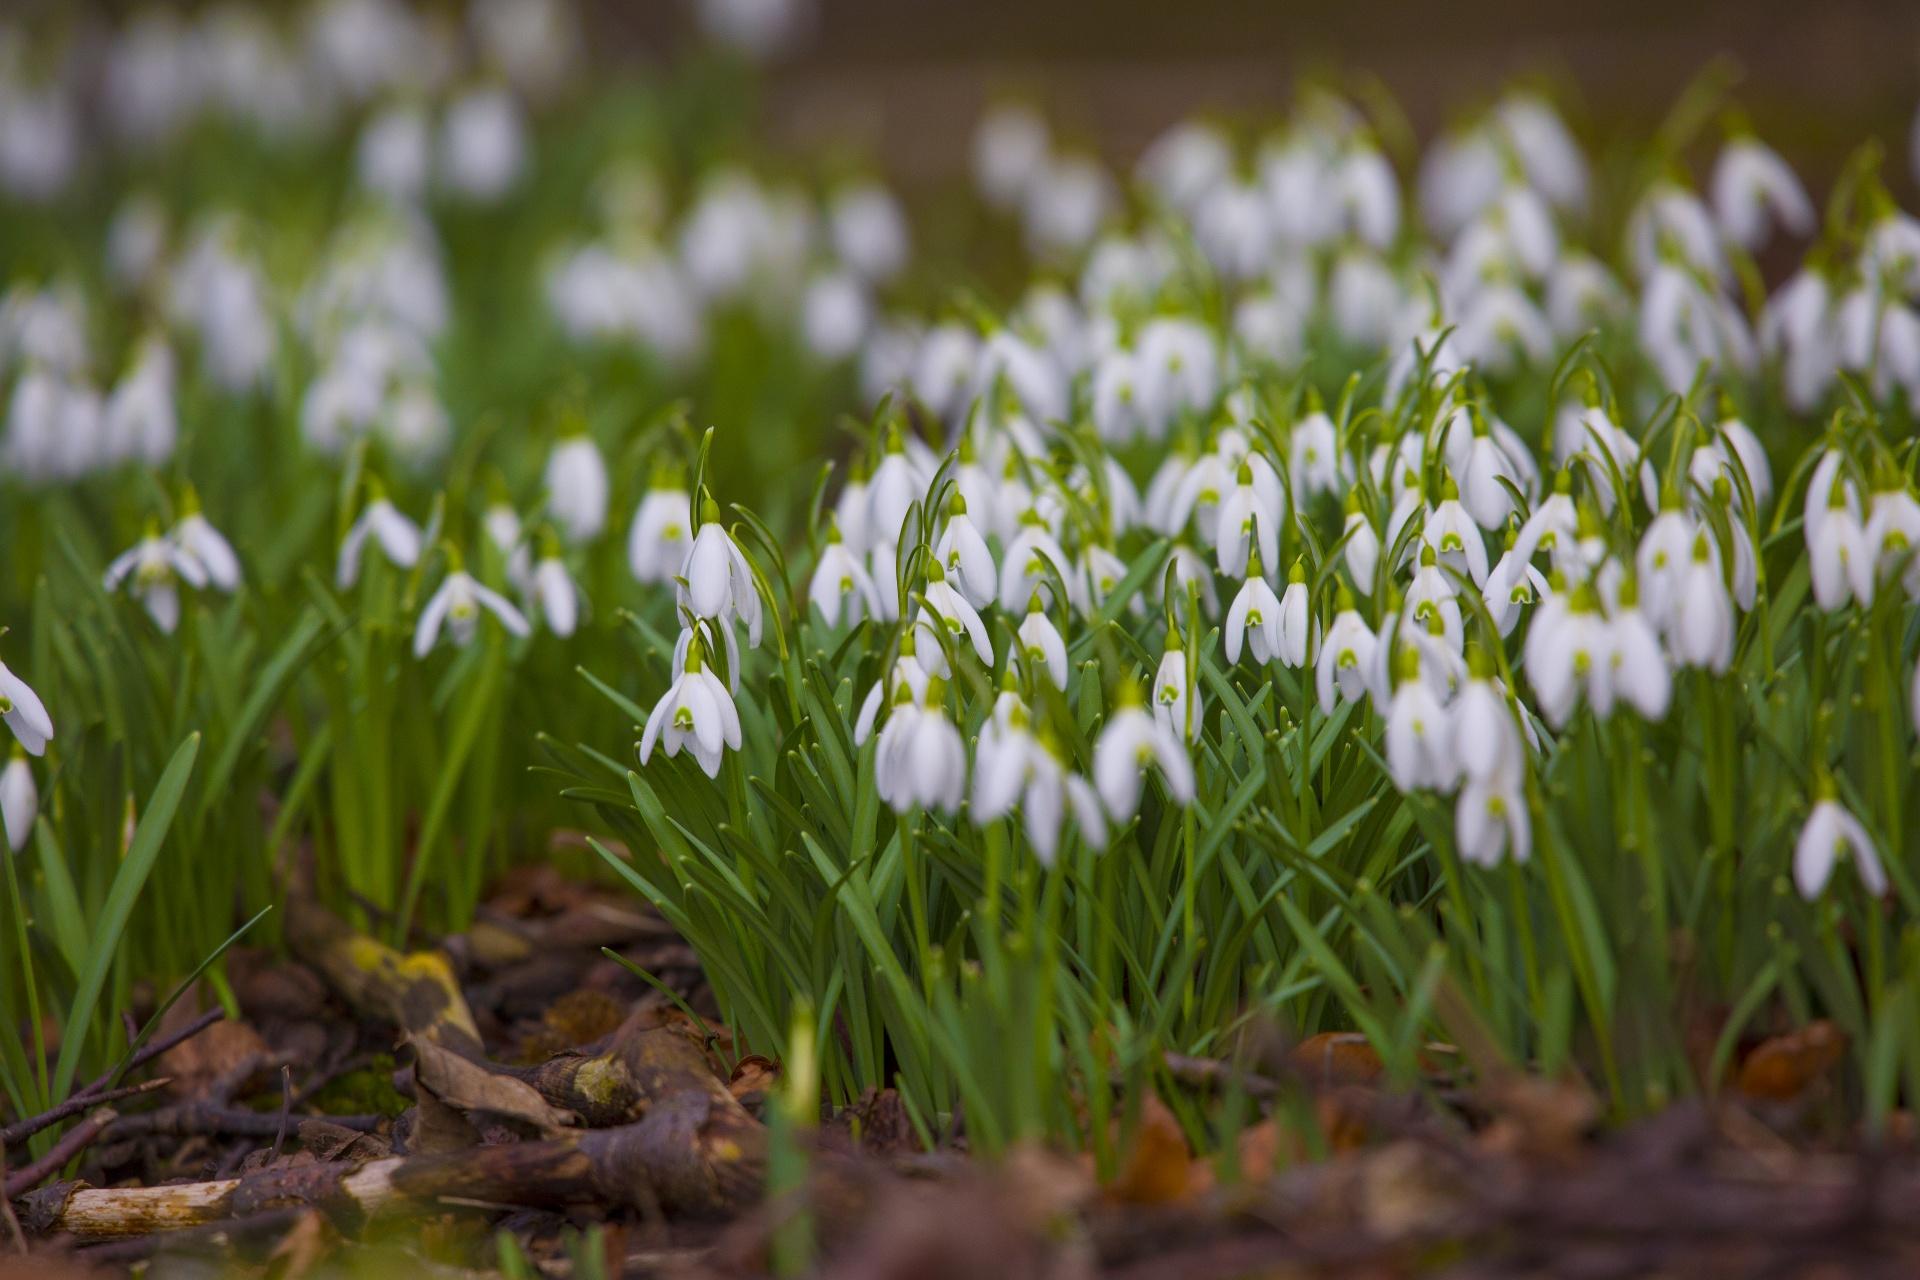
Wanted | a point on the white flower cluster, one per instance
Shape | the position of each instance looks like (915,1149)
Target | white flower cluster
(814,269)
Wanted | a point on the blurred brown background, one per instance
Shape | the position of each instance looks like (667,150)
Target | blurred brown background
(908,77)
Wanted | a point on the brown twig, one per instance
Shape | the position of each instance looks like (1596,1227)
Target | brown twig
(14,1134)
(71,1144)
(208,1119)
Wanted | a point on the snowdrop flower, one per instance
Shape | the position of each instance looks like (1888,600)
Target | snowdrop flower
(1296,619)
(391,157)
(1839,555)
(1191,572)
(869,231)
(1702,631)
(577,488)
(1892,535)
(398,537)
(1130,741)
(1831,834)
(1661,562)
(1512,584)
(907,672)
(1065,205)
(840,583)
(1754,189)
(195,535)
(1346,656)
(1041,643)
(696,713)
(1486,738)
(1011,146)
(483,144)
(1369,194)
(455,607)
(716,581)
(1418,735)
(921,760)
(1185,164)
(1100,572)
(1361,548)
(962,550)
(1032,563)
(153,568)
(955,613)
(1313,456)
(1176,700)
(1492,821)
(1640,674)
(1247,523)
(1454,537)
(1013,768)
(1253,619)
(139,421)
(554,590)
(1569,652)
(835,316)
(1178,370)
(24,713)
(897,483)
(19,800)
(662,524)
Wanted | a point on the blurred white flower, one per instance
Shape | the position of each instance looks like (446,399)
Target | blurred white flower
(399,539)
(24,713)
(1832,834)
(152,569)
(577,487)
(1754,190)
(19,800)
(1130,741)
(455,608)
(483,144)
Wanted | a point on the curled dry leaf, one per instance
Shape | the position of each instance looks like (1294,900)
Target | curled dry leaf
(467,1086)
(1159,1167)
(1782,1068)
(1336,1058)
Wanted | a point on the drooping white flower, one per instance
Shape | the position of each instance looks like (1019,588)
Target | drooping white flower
(577,488)
(1346,658)
(139,421)
(455,608)
(1362,546)
(716,581)
(962,551)
(1418,734)
(869,231)
(1492,821)
(1703,627)
(1130,741)
(696,713)
(1313,457)
(1754,190)
(1253,620)
(956,614)
(558,596)
(920,761)
(1246,522)
(24,713)
(1839,556)
(1486,737)
(662,526)
(1892,535)
(1830,835)
(483,144)
(1030,566)
(1177,703)
(195,535)
(1011,145)
(1043,645)
(152,569)
(1661,562)
(840,583)
(398,537)
(19,801)
(1568,654)
(1640,676)
(1455,538)
(1014,768)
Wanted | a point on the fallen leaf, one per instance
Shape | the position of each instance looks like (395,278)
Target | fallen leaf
(1159,1166)
(467,1086)
(1336,1058)
(301,1249)
(753,1075)
(1782,1068)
